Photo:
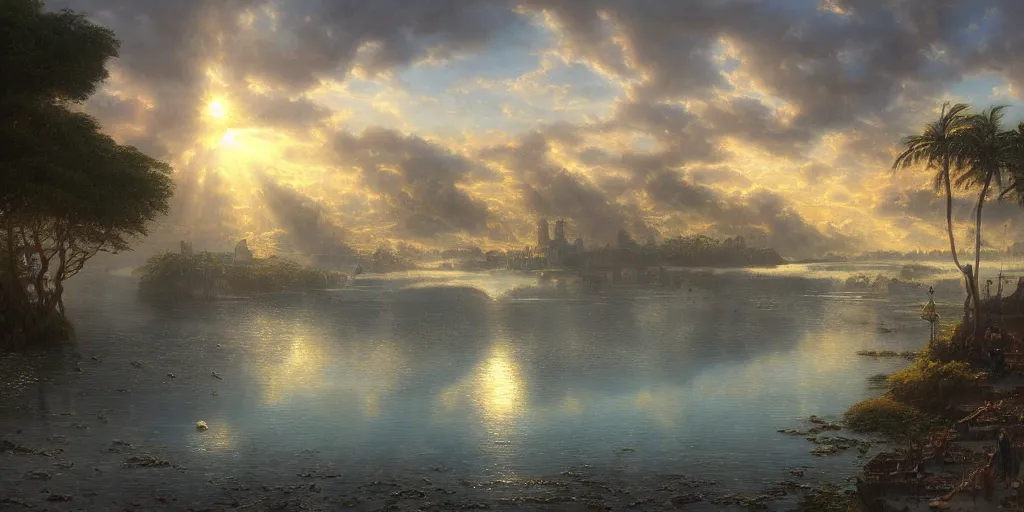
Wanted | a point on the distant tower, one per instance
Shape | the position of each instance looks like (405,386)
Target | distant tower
(543,238)
(560,230)
(242,252)
(625,240)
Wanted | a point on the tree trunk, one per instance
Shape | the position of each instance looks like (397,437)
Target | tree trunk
(952,240)
(949,214)
(978,323)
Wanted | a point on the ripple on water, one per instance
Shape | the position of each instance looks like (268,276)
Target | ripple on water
(386,380)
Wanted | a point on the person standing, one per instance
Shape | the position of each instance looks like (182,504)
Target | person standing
(1006,457)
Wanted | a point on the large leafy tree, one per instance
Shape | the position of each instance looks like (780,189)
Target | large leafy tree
(67,191)
(938,148)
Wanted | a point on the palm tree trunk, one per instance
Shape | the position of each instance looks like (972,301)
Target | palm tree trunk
(949,214)
(952,239)
(978,325)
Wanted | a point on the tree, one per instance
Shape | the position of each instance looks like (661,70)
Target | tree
(1015,165)
(67,191)
(937,148)
(983,154)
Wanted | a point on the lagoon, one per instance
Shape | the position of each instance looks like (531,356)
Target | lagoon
(486,377)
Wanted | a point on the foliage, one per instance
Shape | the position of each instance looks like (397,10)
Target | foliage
(67,191)
(50,55)
(386,260)
(930,384)
(887,416)
(206,275)
(937,147)
(948,347)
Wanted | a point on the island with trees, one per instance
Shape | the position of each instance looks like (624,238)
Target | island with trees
(558,253)
(189,275)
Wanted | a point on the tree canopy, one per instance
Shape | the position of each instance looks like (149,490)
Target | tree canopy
(67,191)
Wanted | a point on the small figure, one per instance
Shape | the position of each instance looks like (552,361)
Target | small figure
(989,477)
(1006,459)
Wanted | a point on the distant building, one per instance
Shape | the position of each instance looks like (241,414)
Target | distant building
(625,241)
(559,230)
(186,248)
(242,252)
(543,237)
(555,250)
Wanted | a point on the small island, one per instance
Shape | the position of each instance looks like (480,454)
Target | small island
(188,275)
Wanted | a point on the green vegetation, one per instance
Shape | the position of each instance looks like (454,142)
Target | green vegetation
(175,276)
(918,396)
(947,346)
(67,191)
(931,384)
(884,415)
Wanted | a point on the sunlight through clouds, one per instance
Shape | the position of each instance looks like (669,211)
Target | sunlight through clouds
(631,99)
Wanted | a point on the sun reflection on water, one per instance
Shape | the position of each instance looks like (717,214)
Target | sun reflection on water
(495,390)
(302,368)
(499,394)
(295,364)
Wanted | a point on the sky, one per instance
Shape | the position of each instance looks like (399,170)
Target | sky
(443,123)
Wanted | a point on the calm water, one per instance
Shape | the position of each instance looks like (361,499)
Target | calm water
(490,376)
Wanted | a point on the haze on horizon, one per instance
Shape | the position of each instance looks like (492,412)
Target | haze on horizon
(456,122)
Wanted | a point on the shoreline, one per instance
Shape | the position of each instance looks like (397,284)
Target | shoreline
(944,416)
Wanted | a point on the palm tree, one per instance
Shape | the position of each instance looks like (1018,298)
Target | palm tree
(1015,165)
(983,154)
(938,148)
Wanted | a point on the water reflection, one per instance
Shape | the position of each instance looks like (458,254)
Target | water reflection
(299,371)
(390,375)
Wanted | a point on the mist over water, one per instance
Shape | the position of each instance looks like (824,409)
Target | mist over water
(492,376)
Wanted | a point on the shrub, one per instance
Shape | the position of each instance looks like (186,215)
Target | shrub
(930,384)
(886,416)
(945,350)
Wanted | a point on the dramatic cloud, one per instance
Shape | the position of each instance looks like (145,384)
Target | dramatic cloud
(307,229)
(417,182)
(460,121)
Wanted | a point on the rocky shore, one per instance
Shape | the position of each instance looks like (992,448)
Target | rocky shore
(944,415)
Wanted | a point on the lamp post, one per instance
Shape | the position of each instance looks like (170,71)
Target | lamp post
(929,314)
